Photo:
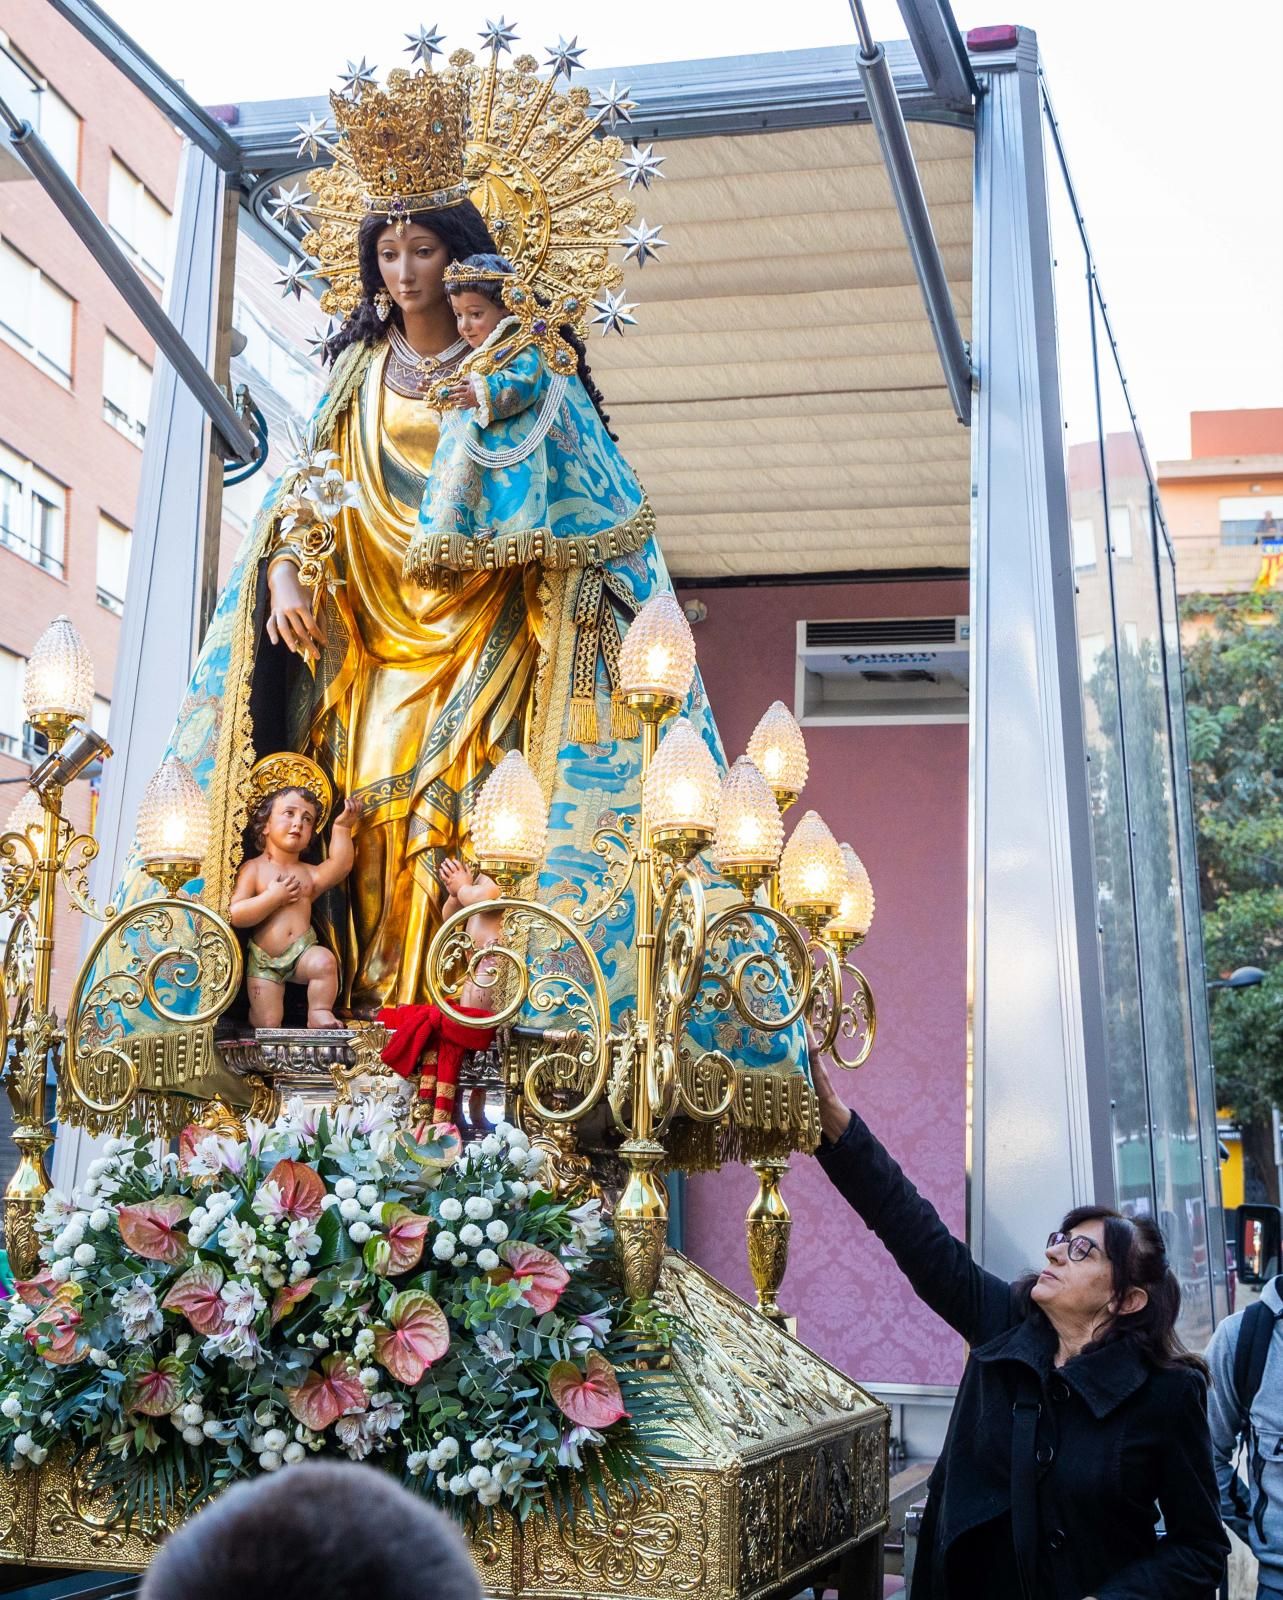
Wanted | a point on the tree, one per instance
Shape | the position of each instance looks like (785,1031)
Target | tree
(1234,688)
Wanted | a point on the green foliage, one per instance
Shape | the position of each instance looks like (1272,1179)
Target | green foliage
(1234,686)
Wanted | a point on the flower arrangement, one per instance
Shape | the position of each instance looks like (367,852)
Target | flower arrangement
(331,1283)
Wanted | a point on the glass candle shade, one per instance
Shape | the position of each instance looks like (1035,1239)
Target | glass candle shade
(855,909)
(778,751)
(28,818)
(511,820)
(749,830)
(58,685)
(173,817)
(812,872)
(657,657)
(682,786)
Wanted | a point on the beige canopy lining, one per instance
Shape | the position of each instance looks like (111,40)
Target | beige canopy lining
(781,396)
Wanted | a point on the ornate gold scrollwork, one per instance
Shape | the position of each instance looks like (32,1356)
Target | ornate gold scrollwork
(168,960)
(770,990)
(836,1015)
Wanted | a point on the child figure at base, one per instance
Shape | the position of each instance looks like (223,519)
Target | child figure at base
(274,894)
(423,1036)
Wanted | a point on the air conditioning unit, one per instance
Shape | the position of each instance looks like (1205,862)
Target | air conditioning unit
(883,670)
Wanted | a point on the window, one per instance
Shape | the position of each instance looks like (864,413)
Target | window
(12,715)
(35,315)
(51,116)
(1083,533)
(1251,518)
(100,715)
(126,390)
(1120,531)
(113,563)
(33,513)
(138,220)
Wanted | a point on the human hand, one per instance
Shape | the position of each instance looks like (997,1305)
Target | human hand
(290,619)
(350,814)
(285,889)
(460,394)
(834,1112)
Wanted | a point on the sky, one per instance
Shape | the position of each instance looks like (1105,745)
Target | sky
(1171,114)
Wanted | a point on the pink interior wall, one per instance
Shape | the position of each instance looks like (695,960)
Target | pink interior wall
(899,794)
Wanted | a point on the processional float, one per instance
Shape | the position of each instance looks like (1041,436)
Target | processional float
(762,1468)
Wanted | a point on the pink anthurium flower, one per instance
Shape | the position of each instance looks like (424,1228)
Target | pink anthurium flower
(291,1190)
(544,1277)
(196,1296)
(154,1390)
(291,1295)
(405,1233)
(330,1391)
(54,1332)
(150,1228)
(591,1401)
(417,1334)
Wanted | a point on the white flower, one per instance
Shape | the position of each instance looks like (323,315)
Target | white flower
(478,1208)
(369,1378)
(300,1269)
(587,1223)
(569,1451)
(293,1453)
(216,1153)
(417,1460)
(61,1269)
(490,1146)
(450,1210)
(275,1440)
(471,1236)
(270,1461)
(193,1413)
(194,1435)
(489,1494)
(211,1427)
(85,1255)
(57,1210)
(359,1232)
(320,1341)
(479,1477)
(97,1167)
(241,1243)
(443,1246)
(37,1455)
(459,1483)
(302,1239)
(448,1447)
(482,1449)
(345,1188)
(487,1260)
(350,1209)
(220,1203)
(100,1219)
(242,1302)
(367,1194)
(518,1189)
(460,1259)
(273,1277)
(22,1444)
(519,1139)
(496,1231)
(99,1358)
(363,1344)
(182,1345)
(139,1311)
(11,1406)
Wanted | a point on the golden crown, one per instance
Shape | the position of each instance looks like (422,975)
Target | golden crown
(405,143)
(537,157)
(457,273)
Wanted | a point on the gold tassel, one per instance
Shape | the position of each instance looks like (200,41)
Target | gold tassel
(623,719)
(583,721)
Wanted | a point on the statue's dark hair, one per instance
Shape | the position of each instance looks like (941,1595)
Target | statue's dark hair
(463,231)
(489,288)
(262,812)
(323,1530)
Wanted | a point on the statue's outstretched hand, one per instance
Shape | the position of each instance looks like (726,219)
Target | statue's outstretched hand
(290,619)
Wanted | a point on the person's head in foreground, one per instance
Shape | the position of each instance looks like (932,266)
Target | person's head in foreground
(321,1531)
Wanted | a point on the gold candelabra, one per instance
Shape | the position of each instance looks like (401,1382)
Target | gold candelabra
(40,851)
(810,898)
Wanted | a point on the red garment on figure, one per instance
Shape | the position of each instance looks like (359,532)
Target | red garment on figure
(417,1029)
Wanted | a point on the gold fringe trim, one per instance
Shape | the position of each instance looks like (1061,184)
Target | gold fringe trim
(432,554)
(772,1116)
(623,719)
(582,726)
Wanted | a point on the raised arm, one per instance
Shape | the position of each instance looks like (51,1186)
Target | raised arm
(342,852)
(975,1303)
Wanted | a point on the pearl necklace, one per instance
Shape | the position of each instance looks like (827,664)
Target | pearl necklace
(424,371)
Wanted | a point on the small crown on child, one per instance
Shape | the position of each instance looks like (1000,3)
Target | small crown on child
(459,273)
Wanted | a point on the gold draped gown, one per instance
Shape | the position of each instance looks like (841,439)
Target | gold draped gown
(418,694)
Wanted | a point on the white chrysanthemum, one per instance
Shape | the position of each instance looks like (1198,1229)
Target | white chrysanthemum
(444,1246)
(451,1210)
(471,1236)
(496,1231)
(478,1208)
(487,1260)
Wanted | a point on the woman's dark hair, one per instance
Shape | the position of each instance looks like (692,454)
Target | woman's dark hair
(1137,1255)
(488,288)
(262,812)
(461,229)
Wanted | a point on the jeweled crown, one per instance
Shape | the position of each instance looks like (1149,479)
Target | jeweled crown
(407,141)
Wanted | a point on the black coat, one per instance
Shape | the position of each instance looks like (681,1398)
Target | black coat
(1116,1436)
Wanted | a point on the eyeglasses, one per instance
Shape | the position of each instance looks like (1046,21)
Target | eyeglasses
(1077,1245)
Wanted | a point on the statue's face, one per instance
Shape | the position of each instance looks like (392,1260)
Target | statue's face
(412,266)
(292,822)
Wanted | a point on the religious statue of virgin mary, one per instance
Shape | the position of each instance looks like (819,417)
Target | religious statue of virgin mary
(405,661)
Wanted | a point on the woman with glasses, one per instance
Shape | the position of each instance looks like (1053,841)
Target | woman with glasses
(1080,1420)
